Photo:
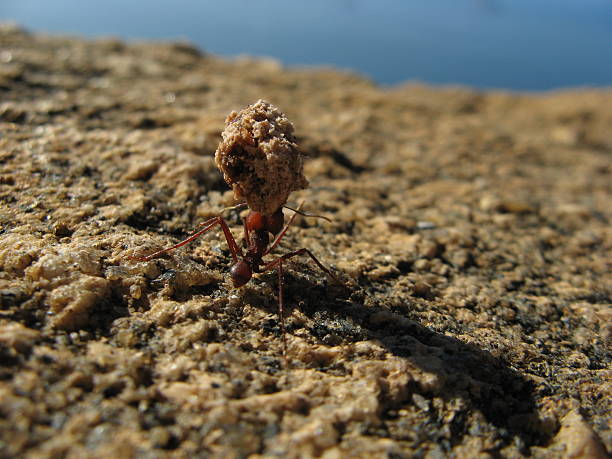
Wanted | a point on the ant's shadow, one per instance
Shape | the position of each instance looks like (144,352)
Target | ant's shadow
(482,381)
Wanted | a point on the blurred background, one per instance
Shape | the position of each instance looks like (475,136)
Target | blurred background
(507,44)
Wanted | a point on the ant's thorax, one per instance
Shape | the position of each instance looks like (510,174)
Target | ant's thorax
(257,230)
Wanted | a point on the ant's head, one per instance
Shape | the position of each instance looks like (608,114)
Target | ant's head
(241,273)
(257,221)
(275,222)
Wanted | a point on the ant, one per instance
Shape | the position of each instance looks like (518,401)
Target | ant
(257,228)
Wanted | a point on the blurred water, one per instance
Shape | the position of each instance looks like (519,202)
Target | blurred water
(512,44)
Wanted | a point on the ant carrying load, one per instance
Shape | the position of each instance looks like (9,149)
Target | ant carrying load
(260,160)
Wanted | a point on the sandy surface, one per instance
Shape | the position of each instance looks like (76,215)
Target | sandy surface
(472,231)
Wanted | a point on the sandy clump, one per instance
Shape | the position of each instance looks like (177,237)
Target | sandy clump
(259,157)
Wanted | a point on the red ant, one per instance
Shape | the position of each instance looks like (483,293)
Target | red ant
(257,228)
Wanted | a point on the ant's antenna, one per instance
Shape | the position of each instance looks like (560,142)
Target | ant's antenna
(240,206)
(304,214)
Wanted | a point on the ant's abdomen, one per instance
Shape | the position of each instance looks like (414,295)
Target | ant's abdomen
(241,273)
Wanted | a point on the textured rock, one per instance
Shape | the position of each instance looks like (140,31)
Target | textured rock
(472,231)
(578,440)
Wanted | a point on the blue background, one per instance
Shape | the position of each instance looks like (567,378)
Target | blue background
(511,44)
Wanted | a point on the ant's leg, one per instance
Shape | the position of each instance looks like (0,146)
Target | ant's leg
(246,241)
(282,258)
(278,264)
(208,225)
(281,307)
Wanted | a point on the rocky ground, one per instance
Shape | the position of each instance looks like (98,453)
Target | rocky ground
(471,231)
